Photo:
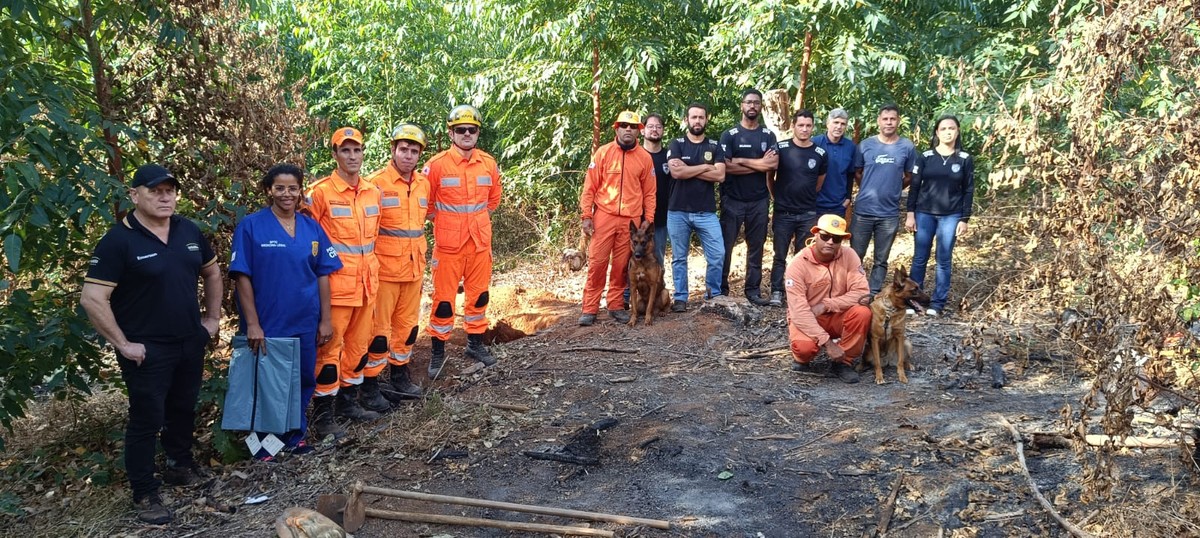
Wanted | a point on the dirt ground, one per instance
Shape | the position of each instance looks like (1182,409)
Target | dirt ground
(713,433)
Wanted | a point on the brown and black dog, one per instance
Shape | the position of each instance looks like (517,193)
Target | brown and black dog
(646,290)
(888,322)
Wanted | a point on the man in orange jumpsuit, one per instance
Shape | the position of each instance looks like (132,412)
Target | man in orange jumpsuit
(347,208)
(824,284)
(620,188)
(464,186)
(401,250)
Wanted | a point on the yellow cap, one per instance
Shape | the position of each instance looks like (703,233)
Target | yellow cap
(628,116)
(346,133)
(831,224)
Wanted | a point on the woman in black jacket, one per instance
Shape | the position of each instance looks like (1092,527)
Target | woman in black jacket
(939,205)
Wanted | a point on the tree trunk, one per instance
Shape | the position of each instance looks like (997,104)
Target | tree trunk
(595,95)
(776,115)
(103,88)
(804,60)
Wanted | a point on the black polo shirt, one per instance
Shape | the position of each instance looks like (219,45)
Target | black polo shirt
(796,178)
(662,180)
(749,144)
(155,285)
(694,195)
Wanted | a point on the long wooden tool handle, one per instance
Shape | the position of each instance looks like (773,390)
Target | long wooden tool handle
(532,509)
(478,522)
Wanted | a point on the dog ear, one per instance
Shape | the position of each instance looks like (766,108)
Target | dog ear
(645,225)
(632,228)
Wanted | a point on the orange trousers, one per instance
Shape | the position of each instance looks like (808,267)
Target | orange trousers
(851,326)
(396,310)
(610,241)
(340,363)
(474,270)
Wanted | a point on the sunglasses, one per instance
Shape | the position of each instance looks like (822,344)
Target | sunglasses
(624,125)
(830,237)
(466,130)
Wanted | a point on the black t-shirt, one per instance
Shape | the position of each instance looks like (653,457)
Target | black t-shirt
(942,185)
(662,179)
(749,144)
(154,297)
(796,179)
(694,195)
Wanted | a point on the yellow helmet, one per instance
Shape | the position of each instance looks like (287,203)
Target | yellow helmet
(463,114)
(410,132)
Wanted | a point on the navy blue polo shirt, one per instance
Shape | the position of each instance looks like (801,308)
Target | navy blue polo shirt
(694,195)
(796,178)
(155,296)
(836,188)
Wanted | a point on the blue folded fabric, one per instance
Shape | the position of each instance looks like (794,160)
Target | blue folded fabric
(264,388)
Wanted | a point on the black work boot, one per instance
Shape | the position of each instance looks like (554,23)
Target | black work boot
(401,386)
(370,398)
(323,424)
(476,350)
(347,405)
(437,358)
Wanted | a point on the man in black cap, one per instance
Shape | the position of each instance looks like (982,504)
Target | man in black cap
(140,294)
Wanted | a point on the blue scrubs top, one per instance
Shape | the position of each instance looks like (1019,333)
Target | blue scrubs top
(283,270)
(836,188)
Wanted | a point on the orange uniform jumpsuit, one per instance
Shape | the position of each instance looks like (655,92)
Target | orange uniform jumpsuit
(401,250)
(463,191)
(838,285)
(350,216)
(619,188)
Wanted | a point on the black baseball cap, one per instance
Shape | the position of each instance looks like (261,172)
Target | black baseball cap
(151,175)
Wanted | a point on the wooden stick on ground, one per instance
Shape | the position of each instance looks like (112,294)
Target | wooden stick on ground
(529,508)
(593,348)
(1071,528)
(478,522)
(504,406)
(885,517)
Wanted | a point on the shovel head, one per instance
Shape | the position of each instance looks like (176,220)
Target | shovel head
(332,507)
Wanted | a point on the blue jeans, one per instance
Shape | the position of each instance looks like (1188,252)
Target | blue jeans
(864,228)
(680,225)
(943,227)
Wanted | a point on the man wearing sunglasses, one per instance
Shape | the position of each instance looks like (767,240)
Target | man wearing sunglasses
(824,284)
(750,158)
(619,189)
(464,190)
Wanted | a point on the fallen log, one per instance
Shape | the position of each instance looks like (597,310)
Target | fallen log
(479,522)
(1058,440)
(1071,528)
(514,507)
(885,518)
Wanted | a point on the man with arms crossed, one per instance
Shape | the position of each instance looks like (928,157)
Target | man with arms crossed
(697,164)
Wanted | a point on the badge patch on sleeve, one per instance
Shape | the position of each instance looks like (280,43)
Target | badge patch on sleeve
(316,248)
(788,283)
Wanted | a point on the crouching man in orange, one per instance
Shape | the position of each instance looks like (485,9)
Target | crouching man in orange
(401,250)
(824,284)
(464,188)
(619,189)
(347,208)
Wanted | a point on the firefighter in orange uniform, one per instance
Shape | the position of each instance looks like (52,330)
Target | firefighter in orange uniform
(347,207)
(620,189)
(464,187)
(401,250)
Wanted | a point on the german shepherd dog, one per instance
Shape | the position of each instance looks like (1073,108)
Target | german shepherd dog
(647,293)
(888,322)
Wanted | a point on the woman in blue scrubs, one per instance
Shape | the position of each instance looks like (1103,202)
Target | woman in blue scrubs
(280,268)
